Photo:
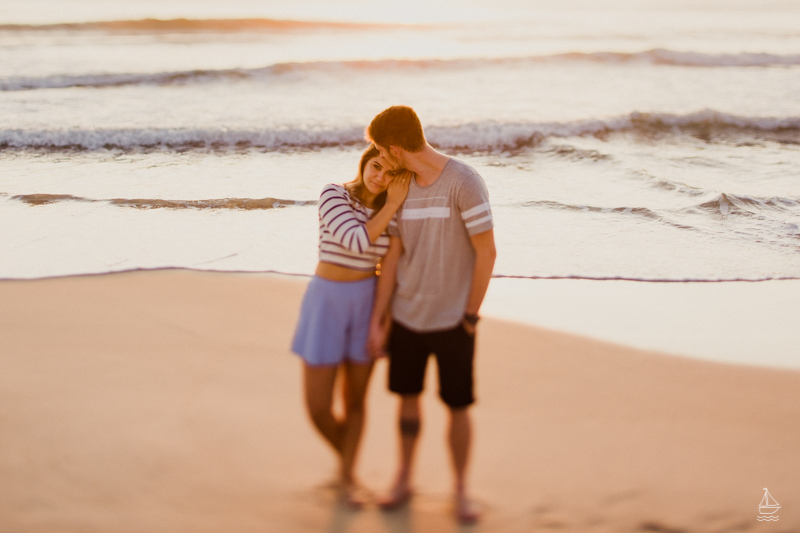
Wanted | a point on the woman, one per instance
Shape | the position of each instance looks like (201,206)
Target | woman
(331,335)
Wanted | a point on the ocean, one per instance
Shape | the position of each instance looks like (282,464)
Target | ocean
(634,140)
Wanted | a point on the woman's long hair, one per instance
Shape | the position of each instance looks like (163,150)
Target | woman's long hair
(356,187)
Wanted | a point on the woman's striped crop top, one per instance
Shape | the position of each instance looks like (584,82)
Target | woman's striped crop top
(343,237)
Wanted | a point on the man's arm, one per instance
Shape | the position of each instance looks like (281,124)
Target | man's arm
(485,254)
(379,324)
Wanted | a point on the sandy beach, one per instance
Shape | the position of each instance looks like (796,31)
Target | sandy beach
(169,401)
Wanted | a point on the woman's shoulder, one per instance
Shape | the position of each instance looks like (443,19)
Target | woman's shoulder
(335,195)
(335,189)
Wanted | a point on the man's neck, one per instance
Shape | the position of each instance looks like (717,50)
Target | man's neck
(427,164)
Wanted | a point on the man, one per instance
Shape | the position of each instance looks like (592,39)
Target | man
(440,261)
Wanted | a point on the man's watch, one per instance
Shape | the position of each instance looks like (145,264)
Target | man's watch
(471,319)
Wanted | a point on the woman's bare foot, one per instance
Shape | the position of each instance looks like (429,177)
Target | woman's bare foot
(467,511)
(399,496)
(353,495)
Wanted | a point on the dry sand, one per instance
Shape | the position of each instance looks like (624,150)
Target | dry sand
(168,401)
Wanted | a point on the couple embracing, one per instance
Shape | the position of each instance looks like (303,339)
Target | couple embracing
(406,252)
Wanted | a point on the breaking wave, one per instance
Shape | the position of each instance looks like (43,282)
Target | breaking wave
(470,137)
(155,203)
(550,204)
(726,204)
(773,220)
(717,204)
(655,57)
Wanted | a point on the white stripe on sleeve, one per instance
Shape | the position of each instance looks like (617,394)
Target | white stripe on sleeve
(474,223)
(478,209)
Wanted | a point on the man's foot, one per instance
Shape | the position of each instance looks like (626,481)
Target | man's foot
(398,497)
(467,511)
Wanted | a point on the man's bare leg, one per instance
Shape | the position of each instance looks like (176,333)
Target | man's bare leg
(460,440)
(409,421)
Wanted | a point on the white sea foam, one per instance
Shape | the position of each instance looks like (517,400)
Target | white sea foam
(655,57)
(184,138)
(476,136)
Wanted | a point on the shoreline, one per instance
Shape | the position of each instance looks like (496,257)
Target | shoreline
(494,276)
(746,322)
(169,400)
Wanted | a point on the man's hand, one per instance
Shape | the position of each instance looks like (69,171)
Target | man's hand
(376,343)
(380,322)
(469,328)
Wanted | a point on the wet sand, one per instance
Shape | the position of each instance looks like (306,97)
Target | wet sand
(168,401)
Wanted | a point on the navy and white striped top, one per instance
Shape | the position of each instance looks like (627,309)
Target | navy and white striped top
(343,236)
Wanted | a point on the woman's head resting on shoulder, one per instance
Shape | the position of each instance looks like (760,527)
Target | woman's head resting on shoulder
(374,176)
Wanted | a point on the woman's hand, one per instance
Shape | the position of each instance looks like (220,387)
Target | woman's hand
(398,188)
(396,194)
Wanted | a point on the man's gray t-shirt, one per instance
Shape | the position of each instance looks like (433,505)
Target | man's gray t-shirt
(434,275)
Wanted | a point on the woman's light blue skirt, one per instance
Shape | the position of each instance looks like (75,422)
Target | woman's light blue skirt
(334,322)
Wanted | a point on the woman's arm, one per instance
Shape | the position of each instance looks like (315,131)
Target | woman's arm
(338,216)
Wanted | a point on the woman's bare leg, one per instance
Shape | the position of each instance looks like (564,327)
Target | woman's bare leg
(319,382)
(356,381)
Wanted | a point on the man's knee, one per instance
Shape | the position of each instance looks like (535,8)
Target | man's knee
(457,396)
(409,415)
(459,413)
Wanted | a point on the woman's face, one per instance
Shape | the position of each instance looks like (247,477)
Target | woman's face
(376,175)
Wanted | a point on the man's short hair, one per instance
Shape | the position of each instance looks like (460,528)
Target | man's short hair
(397,126)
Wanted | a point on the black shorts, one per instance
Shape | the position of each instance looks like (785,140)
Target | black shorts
(454,350)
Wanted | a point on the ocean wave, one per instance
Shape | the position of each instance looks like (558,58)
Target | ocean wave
(637,211)
(673,186)
(726,204)
(157,203)
(183,25)
(715,203)
(119,80)
(772,215)
(660,56)
(654,57)
(572,153)
(642,212)
(470,137)
(179,138)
